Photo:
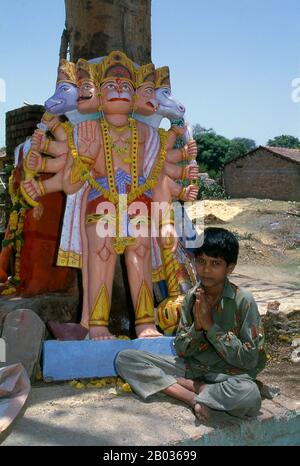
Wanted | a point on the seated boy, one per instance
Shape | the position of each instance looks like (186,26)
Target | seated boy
(219,341)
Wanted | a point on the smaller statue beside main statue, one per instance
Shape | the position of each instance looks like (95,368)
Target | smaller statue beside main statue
(118,174)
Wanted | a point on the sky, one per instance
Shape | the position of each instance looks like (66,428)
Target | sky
(232,62)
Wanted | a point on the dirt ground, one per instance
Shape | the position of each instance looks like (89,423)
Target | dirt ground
(269,234)
(269,265)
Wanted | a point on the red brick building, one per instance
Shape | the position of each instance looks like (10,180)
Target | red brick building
(265,173)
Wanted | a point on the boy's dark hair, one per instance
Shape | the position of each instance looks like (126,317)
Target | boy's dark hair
(219,242)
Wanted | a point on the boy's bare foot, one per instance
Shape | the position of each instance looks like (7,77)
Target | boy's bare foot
(147,331)
(202,412)
(67,331)
(191,385)
(100,333)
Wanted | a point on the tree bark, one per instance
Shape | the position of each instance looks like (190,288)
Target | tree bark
(97,27)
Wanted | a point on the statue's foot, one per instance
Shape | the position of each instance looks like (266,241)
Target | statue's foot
(202,412)
(147,331)
(67,331)
(31,192)
(100,333)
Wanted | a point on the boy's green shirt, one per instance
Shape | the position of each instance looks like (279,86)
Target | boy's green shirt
(234,344)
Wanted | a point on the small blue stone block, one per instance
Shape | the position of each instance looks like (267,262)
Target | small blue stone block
(67,360)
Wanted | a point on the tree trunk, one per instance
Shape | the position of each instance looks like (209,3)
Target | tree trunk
(97,27)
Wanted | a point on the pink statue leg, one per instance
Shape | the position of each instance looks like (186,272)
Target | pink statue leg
(101,268)
(139,269)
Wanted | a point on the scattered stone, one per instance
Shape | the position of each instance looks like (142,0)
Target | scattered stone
(205,179)
(211,219)
(280,326)
(273,305)
(295,356)
(296,342)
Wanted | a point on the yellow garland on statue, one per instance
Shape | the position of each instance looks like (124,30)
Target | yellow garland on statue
(113,196)
(16,225)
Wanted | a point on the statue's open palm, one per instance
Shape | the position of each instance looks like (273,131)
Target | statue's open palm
(89,139)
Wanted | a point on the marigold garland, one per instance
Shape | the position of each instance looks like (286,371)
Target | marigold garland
(15,226)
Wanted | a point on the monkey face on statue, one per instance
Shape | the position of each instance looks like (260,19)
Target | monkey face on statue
(117,96)
(88,99)
(146,102)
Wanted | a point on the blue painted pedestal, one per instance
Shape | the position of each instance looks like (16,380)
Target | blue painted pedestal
(67,360)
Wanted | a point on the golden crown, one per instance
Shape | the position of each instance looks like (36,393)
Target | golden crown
(86,70)
(162,77)
(144,74)
(66,71)
(117,65)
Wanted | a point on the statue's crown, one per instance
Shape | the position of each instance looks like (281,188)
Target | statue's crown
(117,65)
(162,77)
(144,74)
(66,71)
(86,70)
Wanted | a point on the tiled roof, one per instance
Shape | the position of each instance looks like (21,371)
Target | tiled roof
(289,154)
(292,154)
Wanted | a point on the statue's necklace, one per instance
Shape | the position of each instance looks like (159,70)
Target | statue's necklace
(119,129)
(108,155)
(120,242)
(123,148)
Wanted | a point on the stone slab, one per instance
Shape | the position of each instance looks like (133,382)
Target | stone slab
(23,332)
(67,360)
(55,306)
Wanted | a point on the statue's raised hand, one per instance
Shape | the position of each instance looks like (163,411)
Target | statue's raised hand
(89,139)
(191,172)
(191,148)
(38,140)
(34,161)
(191,193)
(49,120)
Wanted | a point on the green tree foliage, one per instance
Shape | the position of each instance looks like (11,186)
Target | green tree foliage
(238,147)
(215,150)
(212,150)
(249,144)
(214,191)
(284,141)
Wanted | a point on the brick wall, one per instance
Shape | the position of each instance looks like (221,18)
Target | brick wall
(21,123)
(263,175)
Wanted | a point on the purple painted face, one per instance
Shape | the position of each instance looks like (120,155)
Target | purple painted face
(168,107)
(63,100)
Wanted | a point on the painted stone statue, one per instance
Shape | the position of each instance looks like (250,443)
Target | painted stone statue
(145,82)
(100,161)
(114,157)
